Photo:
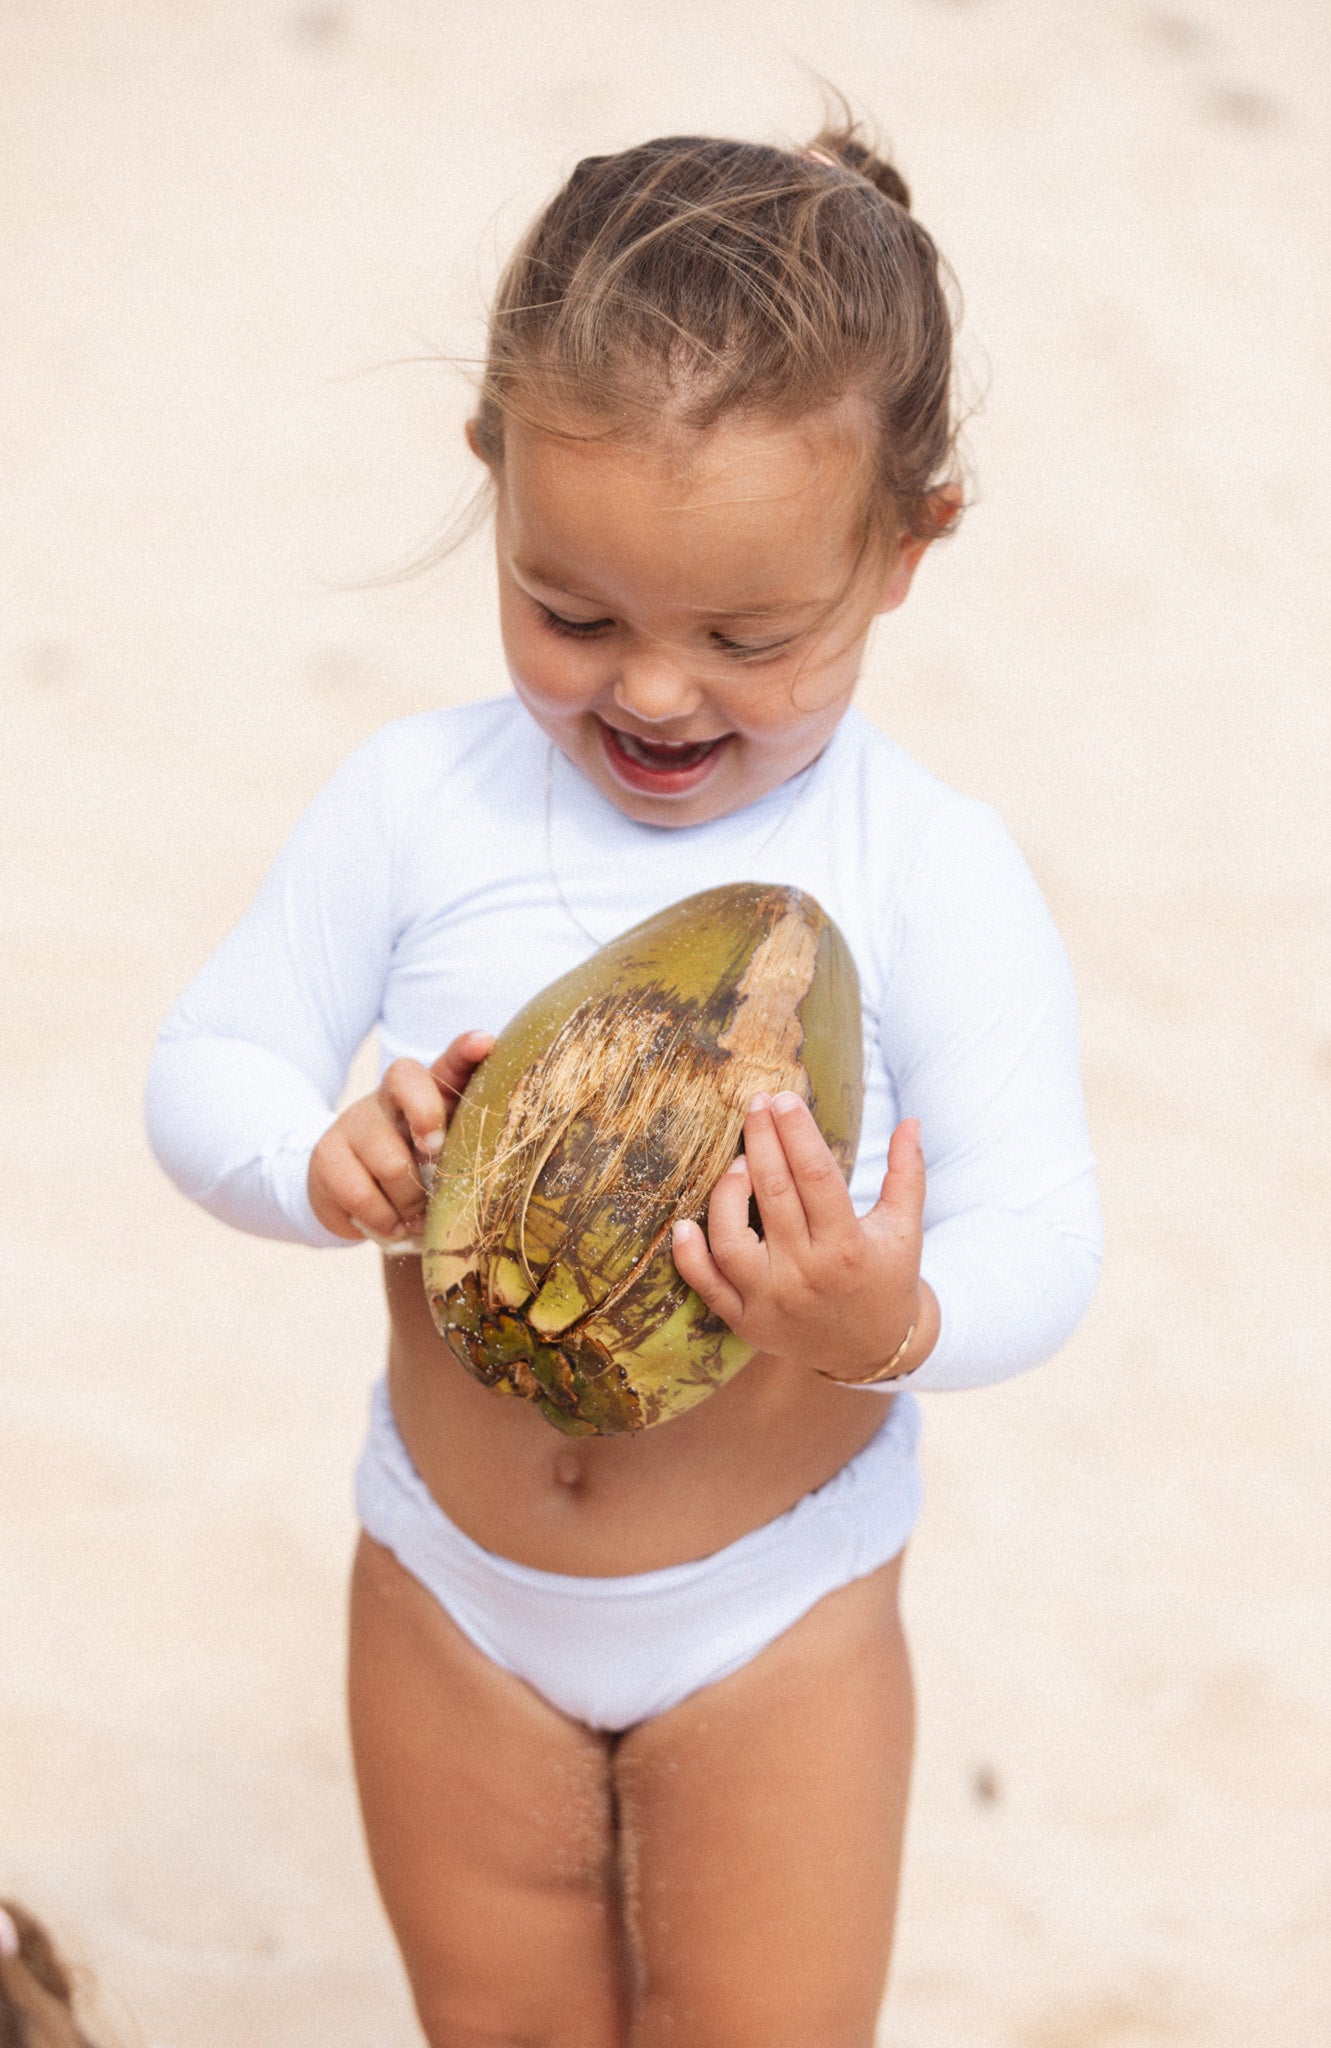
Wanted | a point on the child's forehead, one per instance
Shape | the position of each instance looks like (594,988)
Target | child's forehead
(740,458)
(752,517)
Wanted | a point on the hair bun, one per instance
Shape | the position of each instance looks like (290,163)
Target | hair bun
(845,146)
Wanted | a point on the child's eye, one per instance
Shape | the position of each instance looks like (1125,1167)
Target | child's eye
(577,629)
(586,629)
(743,651)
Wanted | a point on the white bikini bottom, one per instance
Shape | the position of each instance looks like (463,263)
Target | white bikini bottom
(614,1651)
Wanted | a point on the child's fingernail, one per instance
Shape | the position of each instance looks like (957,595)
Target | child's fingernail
(400,1230)
(759,1102)
(681,1230)
(738,1165)
(786,1101)
(430,1143)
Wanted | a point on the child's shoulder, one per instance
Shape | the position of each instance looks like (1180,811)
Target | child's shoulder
(445,754)
(898,799)
(932,860)
(433,743)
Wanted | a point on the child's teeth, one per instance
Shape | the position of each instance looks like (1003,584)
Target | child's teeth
(664,753)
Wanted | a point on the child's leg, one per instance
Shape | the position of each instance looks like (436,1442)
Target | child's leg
(761,1837)
(490,1826)
(759,1834)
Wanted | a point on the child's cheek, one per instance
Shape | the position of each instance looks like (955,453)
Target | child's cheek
(532,663)
(551,679)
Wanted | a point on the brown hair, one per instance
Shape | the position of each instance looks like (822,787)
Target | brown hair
(36,1992)
(695,277)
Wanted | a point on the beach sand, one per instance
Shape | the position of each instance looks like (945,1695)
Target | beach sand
(236,240)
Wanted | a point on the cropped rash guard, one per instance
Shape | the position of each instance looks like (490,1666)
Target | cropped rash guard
(455,865)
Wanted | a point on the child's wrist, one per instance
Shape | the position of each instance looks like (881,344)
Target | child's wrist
(897,1366)
(908,1354)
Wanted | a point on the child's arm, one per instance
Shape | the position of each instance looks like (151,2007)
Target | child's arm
(979,1033)
(252,1058)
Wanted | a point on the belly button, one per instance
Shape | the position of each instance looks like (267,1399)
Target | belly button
(568,1469)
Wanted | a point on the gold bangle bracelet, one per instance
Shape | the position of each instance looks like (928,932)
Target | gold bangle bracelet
(884,1372)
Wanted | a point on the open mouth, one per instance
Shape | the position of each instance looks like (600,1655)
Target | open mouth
(664,767)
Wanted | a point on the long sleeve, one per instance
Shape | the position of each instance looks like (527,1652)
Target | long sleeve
(979,1030)
(416,893)
(251,1059)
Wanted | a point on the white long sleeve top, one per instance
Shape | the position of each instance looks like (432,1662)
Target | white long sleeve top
(454,866)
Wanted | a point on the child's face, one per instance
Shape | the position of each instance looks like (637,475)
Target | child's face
(685,617)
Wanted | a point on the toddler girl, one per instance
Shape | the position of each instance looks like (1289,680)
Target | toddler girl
(632,1715)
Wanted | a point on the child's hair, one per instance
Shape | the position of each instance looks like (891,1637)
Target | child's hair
(36,1994)
(693,278)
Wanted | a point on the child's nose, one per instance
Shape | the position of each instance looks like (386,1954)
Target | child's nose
(654,688)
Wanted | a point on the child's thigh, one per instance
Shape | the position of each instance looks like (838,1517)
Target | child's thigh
(761,1837)
(490,1827)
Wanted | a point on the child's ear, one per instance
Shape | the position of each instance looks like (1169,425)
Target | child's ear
(473,433)
(908,551)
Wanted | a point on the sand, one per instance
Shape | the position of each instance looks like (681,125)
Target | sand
(234,238)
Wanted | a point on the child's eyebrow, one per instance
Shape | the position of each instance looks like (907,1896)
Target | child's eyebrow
(527,575)
(768,611)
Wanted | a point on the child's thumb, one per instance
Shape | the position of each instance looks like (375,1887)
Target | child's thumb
(459,1061)
(902,1197)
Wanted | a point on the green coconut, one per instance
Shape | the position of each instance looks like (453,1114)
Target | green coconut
(609,1109)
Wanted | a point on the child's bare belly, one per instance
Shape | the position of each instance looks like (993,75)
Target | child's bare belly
(601,1506)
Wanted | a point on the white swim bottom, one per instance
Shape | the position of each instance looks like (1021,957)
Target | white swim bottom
(614,1651)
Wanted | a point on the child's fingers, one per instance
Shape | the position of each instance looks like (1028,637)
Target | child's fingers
(386,1157)
(410,1095)
(345,1184)
(457,1063)
(824,1196)
(778,1198)
(737,1250)
(901,1202)
(695,1264)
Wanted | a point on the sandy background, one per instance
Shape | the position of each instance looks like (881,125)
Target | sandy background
(218,224)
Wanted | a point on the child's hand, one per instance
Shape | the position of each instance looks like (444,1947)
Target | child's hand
(365,1171)
(821,1284)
